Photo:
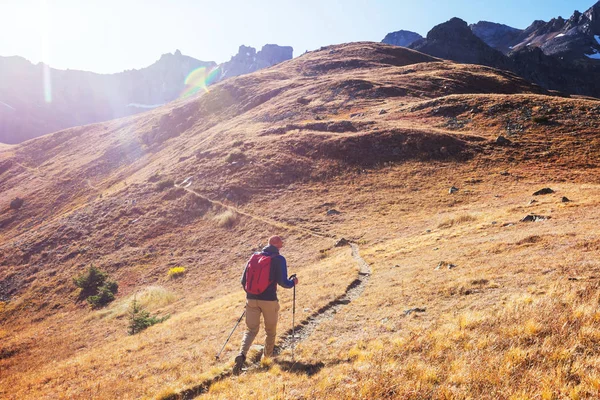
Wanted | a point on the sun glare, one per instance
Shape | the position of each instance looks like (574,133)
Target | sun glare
(45,33)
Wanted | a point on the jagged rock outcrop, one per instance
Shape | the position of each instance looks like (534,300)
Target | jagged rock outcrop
(453,40)
(401,38)
(247,60)
(561,55)
(570,39)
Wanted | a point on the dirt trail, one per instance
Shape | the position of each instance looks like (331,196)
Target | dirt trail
(304,328)
(327,312)
(185,186)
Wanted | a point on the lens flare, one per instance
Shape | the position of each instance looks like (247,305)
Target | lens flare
(199,80)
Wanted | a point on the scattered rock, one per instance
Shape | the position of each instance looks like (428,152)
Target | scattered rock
(565,200)
(414,310)
(381,112)
(342,242)
(502,141)
(453,190)
(307,310)
(16,203)
(354,115)
(505,173)
(532,202)
(445,264)
(543,191)
(535,218)
(396,266)
(333,212)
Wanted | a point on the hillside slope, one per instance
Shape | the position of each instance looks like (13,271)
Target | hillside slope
(361,141)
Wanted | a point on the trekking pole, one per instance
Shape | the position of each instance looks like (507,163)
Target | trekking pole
(293,319)
(236,325)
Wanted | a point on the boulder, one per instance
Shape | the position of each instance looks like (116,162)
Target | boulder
(535,218)
(341,243)
(17,203)
(502,141)
(543,191)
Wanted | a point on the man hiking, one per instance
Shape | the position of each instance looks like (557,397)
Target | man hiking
(261,295)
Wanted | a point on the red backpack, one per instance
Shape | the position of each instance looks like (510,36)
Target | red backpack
(258,274)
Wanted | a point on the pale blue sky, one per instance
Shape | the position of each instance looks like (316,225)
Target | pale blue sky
(114,35)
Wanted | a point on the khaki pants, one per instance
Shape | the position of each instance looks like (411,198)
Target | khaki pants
(270,312)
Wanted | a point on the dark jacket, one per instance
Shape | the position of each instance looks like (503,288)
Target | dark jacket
(277,276)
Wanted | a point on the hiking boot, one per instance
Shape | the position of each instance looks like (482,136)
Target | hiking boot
(239,363)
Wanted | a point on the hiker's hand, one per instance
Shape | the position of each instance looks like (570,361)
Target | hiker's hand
(295,281)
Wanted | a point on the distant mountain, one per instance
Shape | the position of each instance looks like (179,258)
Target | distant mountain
(454,40)
(560,55)
(247,60)
(37,99)
(501,37)
(575,38)
(401,38)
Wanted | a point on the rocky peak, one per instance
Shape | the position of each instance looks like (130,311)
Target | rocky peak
(273,54)
(247,60)
(401,38)
(454,40)
(453,30)
(592,20)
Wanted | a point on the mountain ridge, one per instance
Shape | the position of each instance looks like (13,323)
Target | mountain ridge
(74,97)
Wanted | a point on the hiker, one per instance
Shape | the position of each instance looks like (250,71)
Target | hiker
(261,296)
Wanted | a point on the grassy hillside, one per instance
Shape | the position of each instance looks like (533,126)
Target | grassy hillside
(377,133)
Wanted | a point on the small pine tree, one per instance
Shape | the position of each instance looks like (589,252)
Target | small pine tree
(140,318)
(91,280)
(95,287)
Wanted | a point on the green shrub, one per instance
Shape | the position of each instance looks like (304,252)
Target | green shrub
(95,287)
(140,318)
(104,296)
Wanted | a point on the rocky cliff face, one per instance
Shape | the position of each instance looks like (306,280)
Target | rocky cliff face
(401,38)
(453,40)
(247,60)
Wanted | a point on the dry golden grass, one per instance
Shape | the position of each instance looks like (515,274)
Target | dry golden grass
(504,323)
(226,219)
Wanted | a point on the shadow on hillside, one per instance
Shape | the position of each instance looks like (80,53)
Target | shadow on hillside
(300,368)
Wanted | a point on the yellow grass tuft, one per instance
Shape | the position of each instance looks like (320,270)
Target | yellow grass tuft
(450,222)
(227,219)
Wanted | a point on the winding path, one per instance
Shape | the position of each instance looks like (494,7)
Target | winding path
(304,328)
